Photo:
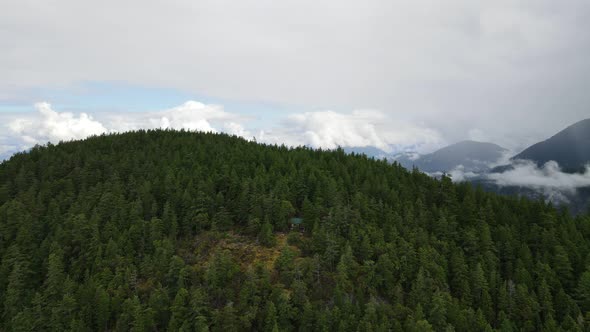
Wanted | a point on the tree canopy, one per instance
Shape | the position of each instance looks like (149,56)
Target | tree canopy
(183,231)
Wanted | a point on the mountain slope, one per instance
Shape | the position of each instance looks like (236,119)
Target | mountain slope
(369,151)
(164,230)
(570,148)
(473,156)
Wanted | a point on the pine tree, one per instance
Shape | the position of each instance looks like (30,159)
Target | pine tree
(179,310)
(103,310)
(270,322)
(15,294)
(266,236)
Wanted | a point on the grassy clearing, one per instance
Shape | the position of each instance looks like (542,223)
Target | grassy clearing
(246,251)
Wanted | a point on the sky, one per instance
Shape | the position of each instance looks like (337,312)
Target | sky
(396,75)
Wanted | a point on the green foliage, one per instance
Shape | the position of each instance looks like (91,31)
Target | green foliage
(265,235)
(137,231)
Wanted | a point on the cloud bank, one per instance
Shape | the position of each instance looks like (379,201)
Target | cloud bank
(457,65)
(51,126)
(549,180)
(321,129)
(191,115)
(549,176)
(360,128)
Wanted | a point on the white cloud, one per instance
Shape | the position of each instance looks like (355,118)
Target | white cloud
(361,128)
(549,176)
(455,64)
(478,135)
(54,127)
(329,129)
(322,129)
(409,155)
(458,174)
(48,125)
(548,180)
(526,173)
(237,129)
(191,115)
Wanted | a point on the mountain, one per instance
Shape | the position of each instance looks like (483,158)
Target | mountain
(406,159)
(473,156)
(570,148)
(171,230)
(369,151)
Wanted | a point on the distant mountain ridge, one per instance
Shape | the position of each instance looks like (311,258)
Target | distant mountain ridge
(484,163)
(369,151)
(570,148)
(471,155)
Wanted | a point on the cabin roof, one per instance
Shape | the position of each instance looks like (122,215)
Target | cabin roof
(296,221)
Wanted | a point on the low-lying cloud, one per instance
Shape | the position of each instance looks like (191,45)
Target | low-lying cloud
(548,179)
(550,176)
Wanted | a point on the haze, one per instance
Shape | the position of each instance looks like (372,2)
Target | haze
(397,75)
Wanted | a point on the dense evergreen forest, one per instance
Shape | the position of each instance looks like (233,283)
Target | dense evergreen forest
(182,231)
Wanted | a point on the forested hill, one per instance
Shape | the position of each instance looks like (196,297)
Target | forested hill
(165,230)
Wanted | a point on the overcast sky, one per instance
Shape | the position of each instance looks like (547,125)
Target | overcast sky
(398,75)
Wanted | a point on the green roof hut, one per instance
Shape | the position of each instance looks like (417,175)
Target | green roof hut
(297,223)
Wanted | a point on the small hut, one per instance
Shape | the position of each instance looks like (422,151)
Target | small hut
(297,223)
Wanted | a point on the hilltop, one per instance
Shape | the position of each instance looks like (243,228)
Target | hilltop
(168,230)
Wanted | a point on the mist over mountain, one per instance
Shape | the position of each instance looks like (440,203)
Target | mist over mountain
(570,148)
(548,181)
(472,156)
(369,151)
(555,169)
